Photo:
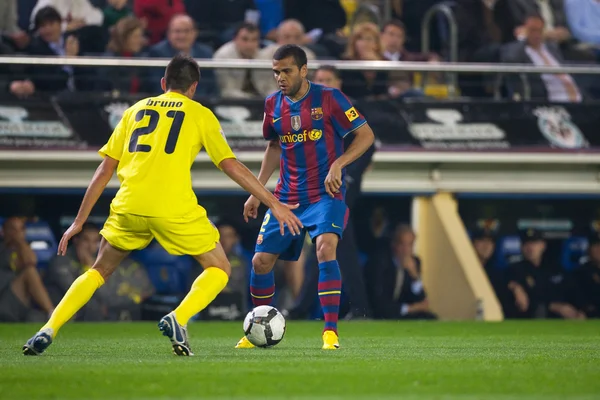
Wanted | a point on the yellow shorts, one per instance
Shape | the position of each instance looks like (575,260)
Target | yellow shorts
(192,234)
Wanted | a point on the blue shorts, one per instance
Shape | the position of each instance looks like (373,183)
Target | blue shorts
(326,216)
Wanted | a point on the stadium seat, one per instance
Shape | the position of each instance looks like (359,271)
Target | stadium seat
(42,242)
(508,250)
(574,250)
(167,272)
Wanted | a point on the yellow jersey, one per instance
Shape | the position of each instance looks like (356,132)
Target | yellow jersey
(156,143)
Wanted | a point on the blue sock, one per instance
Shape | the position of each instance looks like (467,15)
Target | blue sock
(262,288)
(330,290)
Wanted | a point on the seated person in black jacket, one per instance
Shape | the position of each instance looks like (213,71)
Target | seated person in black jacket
(587,279)
(539,287)
(394,283)
(49,41)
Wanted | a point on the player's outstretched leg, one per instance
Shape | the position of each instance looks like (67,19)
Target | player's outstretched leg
(262,286)
(330,288)
(77,296)
(204,290)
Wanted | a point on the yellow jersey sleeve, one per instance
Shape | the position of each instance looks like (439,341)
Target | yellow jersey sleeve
(213,139)
(116,143)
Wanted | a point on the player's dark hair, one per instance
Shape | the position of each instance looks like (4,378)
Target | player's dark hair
(46,15)
(250,27)
(291,50)
(396,23)
(330,68)
(181,73)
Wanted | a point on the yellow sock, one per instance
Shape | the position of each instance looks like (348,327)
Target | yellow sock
(77,296)
(204,290)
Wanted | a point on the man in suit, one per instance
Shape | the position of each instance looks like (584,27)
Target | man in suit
(394,280)
(49,41)
(511,16)
(535,50)
(181,38)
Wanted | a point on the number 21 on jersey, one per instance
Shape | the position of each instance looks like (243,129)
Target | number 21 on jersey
(153,120)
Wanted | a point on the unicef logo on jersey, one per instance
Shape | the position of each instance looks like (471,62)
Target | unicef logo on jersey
(556,126)
(304,136)
(115,112)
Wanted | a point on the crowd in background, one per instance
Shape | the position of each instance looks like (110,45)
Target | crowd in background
(538,32)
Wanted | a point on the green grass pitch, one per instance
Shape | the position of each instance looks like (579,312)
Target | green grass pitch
(395,360)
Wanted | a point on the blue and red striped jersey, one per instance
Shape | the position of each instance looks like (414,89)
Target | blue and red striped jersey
(311,133)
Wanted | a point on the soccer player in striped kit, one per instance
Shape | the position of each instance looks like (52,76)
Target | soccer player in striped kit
(305,125)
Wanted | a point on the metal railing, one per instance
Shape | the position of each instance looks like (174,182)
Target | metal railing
(342,65)
(445,10)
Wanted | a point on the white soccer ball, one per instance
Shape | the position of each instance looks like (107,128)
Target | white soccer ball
(264,326)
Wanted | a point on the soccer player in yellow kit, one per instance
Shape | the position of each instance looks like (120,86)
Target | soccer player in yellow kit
(152,149)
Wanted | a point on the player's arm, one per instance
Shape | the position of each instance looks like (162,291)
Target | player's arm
(270,161)
(363,140)
(102,176)
(346,120)
(243,177)
(221,155)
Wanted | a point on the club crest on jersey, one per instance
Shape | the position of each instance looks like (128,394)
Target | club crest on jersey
(259,240)
(296,122)
(316,113)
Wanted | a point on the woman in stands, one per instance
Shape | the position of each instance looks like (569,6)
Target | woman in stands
(126,41)
(365,45)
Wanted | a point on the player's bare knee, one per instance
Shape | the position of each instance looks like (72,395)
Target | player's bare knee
(225,266)
(262,264)
(326,250)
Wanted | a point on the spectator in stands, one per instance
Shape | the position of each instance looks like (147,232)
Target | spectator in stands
(13,79)
(156,14)
(393,37)
(49,41)
(328,75)
(63,270)
(114,11)
(583,17)
(271,15)
(394,280)
(539,288)
(237,83)
(221,18)
(511,15)
(10,32)
(123,294)
(74,14)
(127,41)
(81,19)
(534,50)
(181,38)
(484,243)
(21,287)
(289,32)
(319,17)
(587,279)
(365,45)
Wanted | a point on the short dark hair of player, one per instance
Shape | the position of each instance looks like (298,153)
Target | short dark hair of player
(291,50)
(535,15)
(395,23)
(181,73)
(248,26)
(330,68)
(46,15)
